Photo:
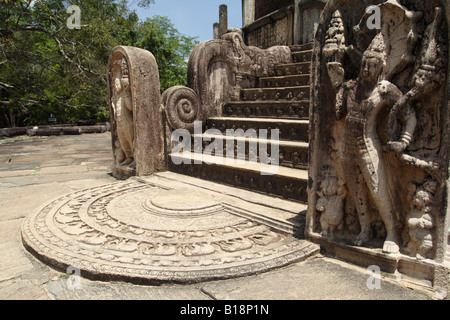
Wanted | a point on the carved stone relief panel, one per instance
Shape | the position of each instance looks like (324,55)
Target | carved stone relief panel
(379,127)
(122,106)
(133,85)
(147,233)
(271,34)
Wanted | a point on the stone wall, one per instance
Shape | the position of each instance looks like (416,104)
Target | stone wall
(307,18)
(275,29)
(265,7)
(282,22)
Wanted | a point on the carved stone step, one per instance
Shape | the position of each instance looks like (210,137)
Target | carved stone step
(270,109)
(285,81)
(300,68)
(291,154)
(288,94)
(302,47)
(293,130)
(302,56)
(287,182)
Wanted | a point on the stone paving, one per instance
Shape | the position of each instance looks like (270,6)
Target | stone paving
(36,170)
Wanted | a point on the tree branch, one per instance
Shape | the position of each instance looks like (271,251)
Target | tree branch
(7,86)
(79,66)
(7,32)
(21,101)
(4,33)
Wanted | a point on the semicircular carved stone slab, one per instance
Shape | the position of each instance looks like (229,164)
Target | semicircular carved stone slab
(133,231)
(379,129)
(133,86)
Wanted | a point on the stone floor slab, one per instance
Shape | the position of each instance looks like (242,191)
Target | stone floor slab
(318,278)
(63,169)
(95,290)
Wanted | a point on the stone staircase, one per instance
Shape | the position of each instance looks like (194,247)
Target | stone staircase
(278,102)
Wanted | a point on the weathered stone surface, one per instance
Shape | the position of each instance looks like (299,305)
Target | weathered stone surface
(289,23)
(136,120)
(223,20)
(248,12)
(219,69)
(54,131)
(182,108)
(24,277)
(379,126)
(297,282)
(307,19)
(149,233)
(11,132)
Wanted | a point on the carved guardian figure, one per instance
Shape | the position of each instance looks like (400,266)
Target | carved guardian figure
(363,161)
(383,130)
(136,121)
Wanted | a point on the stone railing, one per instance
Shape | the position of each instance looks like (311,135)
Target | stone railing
(52,130)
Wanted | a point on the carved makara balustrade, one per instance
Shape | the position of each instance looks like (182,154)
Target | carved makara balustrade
(217,71)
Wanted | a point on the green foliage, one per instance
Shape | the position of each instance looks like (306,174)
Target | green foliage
(45,67)
(170,48)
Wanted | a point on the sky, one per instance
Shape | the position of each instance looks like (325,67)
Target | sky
(194,18)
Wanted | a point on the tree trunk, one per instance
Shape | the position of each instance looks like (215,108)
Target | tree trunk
(12,119)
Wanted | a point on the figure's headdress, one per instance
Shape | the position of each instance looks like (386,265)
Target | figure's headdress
(124,67)
(377,48)
(431,59)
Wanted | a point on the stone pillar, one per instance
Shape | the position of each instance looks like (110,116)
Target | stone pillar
(297,22)
(248,12)
(223,19)
(306,21)
(310,21)
(216,30)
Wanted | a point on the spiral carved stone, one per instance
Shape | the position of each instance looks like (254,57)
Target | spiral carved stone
(182,107)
